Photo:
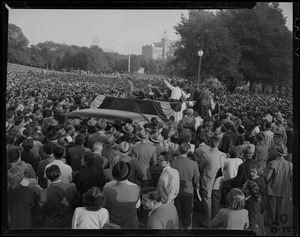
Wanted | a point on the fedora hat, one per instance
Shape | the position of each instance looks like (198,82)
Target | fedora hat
(110,139)
(53,134)
(279,119)
(281,149)
(248,151)
(52,122)
(156,137)
(102,123)
(278,132)
(127,128)
(121,171)
(123,147)
(142,135)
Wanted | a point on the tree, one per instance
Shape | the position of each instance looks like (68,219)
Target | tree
(206,31)
(17,45)
(265,43)
(96,60)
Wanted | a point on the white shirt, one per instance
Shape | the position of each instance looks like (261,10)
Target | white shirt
(85,219)
(231,166)
(168,184)
(175,91)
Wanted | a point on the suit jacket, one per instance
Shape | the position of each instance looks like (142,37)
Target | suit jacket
(212,162)
(87,178)
(243,173)
(27,157)
(199,153)
(145,153)
(60,201)
(229,139)
(74,156)
(188,173)
(281,173)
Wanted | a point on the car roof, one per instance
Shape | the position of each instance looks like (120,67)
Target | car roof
(109,115)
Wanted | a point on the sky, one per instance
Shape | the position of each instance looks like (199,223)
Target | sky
(123,31)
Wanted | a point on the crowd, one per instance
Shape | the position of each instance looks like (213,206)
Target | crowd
(235,158)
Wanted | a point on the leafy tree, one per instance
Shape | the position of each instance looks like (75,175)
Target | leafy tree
(17,45)
(96,60)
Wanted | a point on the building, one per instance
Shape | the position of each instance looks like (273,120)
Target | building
(158,49)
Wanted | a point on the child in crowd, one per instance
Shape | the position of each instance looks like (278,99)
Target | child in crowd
(234,216)
(251,191)
(92,215)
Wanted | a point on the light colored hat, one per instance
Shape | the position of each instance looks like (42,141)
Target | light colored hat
(123,147)
(281,149)
(127,127)
(102,123)
(279,120)
(142,135)
(248,151)
(110,139)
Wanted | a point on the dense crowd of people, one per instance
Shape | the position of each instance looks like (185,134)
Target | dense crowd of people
(231,152)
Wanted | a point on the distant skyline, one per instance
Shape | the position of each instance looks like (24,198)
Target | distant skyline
(123,31)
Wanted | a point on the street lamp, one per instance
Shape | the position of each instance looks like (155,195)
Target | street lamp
(200,54)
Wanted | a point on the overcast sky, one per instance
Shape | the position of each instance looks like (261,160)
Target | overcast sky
(124,31)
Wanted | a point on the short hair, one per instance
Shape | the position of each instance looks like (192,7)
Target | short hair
(93,199)
(89,158)
(52,172)
(58,152)
(27,144)
(113,158)
(174,138)
(79,140)
(234,152)
(202,137)
(14,155)
(15,175)
(258,166)
(253,188)
(183,148)
(97,146)
(228,125)
(214,141)
(236,199)
(186,136)
(152,193)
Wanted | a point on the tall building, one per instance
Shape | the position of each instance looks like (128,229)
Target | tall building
(158,49)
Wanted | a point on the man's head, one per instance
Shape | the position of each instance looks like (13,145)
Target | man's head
(97,147)
(165,159)
(214,141)
(150,198)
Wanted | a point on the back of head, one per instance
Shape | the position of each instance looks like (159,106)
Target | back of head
(152,194)
(183,148)
(58,152)
(27,144)
(214,141)
(93,199)
(236,199)
(98,146)
(14,155)
(15,175)
(234,152)
(53,172)
(253,188)
(89,158)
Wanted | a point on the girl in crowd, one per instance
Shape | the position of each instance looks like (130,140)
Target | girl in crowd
(92,215)
(251,191)
(235,216)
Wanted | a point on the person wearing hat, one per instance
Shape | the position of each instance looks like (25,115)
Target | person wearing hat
(279,126)
(161,215)
(243,173)
(157,141)
(109,145)
(189,180)
(122,197)
(89,175)
(168,182)
(261,149)
(278,139)
(145,153)
(98,136)
(52,137)
(136,172)
(279,176)
(247,142)
(127,128)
